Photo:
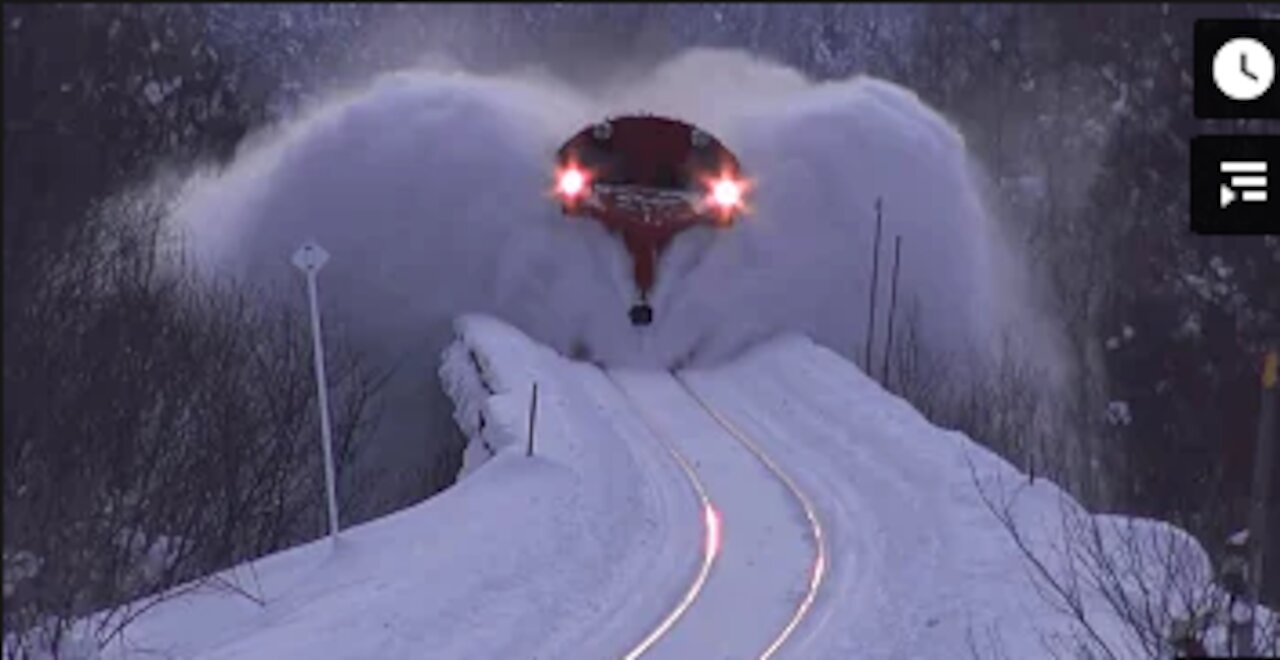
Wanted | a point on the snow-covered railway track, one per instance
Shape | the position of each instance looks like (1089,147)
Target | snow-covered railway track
(817,536)
(710,547)
(747,606)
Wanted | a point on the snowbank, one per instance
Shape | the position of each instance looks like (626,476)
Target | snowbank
(578,551)
(541,556)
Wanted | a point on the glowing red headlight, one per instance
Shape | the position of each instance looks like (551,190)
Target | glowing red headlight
(572,182)
(726,193)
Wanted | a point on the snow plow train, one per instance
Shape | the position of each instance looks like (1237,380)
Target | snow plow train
(647,178)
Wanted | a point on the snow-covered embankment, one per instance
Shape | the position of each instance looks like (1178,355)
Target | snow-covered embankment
(579,550)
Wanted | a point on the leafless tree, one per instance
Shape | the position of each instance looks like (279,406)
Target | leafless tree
(157,428)
(1001,400)
(1150,581)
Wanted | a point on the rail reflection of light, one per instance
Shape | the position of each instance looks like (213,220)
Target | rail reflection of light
(710,549)
(819,568)
(713,531)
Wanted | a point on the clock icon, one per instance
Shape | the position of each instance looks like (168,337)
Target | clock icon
(1244,69)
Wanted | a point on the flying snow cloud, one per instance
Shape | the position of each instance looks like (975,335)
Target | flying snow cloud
(821,156)
(431,190)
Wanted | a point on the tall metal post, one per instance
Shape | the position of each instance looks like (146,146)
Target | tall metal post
(893,307)
(875,280)
(310,258)
(533,419)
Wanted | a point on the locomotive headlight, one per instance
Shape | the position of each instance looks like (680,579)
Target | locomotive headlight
(726,193)
(572,182)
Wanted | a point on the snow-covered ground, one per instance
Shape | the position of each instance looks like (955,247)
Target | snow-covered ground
(594,544)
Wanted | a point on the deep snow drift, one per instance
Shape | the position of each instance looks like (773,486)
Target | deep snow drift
(431,189)
(576,552)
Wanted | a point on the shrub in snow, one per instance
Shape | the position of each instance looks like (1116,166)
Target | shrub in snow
(52,640)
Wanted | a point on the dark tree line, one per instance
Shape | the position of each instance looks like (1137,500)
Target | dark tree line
(157,427)
(1169,326)
(93,95)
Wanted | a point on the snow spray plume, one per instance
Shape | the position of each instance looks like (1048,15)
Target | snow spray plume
(432,192)
(820,156)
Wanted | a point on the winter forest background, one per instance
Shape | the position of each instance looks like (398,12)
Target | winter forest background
(138,403)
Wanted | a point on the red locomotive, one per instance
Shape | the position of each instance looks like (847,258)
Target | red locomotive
(648,178)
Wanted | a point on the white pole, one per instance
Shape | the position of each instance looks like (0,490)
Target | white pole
(309,259)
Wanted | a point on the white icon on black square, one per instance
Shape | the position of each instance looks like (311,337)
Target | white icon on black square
(1232,177)
(1236,69)
(1246,184)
